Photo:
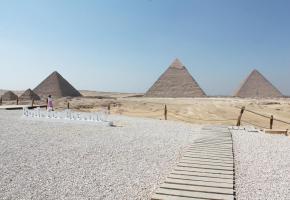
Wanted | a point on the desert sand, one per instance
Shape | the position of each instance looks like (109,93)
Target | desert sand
(210,110)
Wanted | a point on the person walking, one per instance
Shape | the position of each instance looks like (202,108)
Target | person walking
(49,103)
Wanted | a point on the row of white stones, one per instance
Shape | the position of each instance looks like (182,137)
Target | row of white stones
(67,114)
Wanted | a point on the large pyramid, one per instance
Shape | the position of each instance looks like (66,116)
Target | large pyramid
(29,95)
(9,96)
(257,86)
(176,81)
(56,86)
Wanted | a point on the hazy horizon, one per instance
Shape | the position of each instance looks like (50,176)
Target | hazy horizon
(124,46)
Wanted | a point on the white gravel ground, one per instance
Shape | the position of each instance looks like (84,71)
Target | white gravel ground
(56,160)
(262,164)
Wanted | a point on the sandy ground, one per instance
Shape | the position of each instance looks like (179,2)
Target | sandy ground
(211,110)
(223,111)
(57,160)
(214,110)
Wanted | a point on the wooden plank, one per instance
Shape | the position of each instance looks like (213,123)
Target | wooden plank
(213,143)
(213,136)
(220,145)
(15,107)
(213,146)
(205,154)
(219,139)
(210,161)
(228,182)
(206,163)
(20,107)
(201,174)
(224,141)
(209,158)
(216,153)
(200,183)
(197,188)
(216,134)
(210,152)
(193,194)
(170,197)
(204,166)
(202,170)
(211,149)
(276,131)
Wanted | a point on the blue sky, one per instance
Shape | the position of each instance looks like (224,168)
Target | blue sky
(125,45)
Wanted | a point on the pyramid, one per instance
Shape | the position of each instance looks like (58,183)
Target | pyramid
(56,86)
(9,96)
(29,95)
(175,82)
(257,86)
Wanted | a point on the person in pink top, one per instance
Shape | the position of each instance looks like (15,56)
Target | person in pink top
(49,103)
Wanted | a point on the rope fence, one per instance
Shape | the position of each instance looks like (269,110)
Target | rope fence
(22,101)
(254,124)
(200,119)
(271,118)
(165,113)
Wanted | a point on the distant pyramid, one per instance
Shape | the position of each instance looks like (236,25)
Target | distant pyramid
(256,85)
(29,95)
(176,81)
(56,86)
(9,96)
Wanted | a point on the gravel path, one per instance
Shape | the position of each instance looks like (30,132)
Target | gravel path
(56,160)
(262,166)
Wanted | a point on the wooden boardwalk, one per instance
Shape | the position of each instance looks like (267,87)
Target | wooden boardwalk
(206,170)
(19,107)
